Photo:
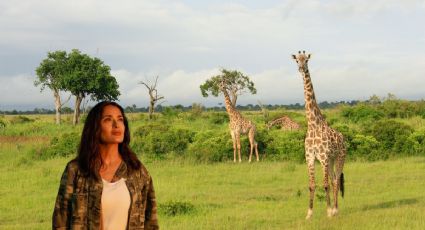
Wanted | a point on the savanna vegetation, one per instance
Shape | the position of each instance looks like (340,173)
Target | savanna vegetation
(189,154)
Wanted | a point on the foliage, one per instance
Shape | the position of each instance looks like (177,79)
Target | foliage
(158,140)
(2,124)
(235,82)
(88,76)
(20,119)
(415,144)
(51,71)
(63,146)
(197,110)
(211,146)
(174,208)
(367,147)
(390,133)
(170,111)
(285,145)
(361,112)
(218,118)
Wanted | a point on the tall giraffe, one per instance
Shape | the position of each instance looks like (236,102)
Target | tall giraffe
(321,142)
(239,125)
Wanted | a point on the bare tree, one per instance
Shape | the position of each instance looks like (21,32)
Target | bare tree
(153,94)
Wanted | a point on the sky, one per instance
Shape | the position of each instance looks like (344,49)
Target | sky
(359,48)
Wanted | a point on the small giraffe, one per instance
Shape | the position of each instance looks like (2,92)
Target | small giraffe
(321,142)
(239,125)
(284,122)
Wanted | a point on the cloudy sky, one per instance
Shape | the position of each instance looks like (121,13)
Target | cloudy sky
(359,48)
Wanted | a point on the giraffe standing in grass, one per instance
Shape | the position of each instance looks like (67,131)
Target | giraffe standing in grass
(322,143)
(239,125)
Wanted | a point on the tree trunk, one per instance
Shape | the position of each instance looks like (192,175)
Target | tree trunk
(234,98)
(151,109)
(57,106)
(78,99)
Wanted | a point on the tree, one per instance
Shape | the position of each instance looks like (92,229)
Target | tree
(153,94)
(50,73)
(88,76)
(236,84)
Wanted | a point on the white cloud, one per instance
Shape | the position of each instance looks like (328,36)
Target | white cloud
(359,47)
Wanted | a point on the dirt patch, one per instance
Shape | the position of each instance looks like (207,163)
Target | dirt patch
(21,139)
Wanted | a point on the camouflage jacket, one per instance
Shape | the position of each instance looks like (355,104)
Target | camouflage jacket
(78,204)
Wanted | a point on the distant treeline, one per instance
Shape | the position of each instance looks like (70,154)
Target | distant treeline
(160,108)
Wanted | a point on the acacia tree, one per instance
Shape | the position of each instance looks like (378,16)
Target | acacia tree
(50,74)
(236,83)
(88,76)
(153,94)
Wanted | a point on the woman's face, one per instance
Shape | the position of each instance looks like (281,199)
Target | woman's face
(112,125)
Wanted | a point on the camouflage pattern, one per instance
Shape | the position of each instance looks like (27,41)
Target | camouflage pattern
(78,204)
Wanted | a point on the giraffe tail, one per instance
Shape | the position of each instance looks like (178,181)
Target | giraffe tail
(341,186)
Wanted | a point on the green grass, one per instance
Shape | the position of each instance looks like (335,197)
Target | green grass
(260,195)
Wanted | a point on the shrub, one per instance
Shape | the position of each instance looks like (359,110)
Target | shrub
(2,124)
(211,146)
(170,111)
(149,127)
(361,112)
(20,119)
(390,133)
(174,208)
(286,145)
(367,147)
(63,146)
(415,144)
(218,118)
(159,139)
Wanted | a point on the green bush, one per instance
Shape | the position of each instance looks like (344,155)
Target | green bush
(361,112)
(367,147)
(390,133)
(211,146)
(218,118)
(158,139)
(170,111)
(174,208)
(63,146)
(2,124)
(415,144)
(286,145)
(150,127)
(20,119)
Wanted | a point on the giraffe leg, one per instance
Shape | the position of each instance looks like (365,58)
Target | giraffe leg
(238,141)
(234,145)
(256,151)
(326,170)
(312,186)
(337,180)
(332,179)
(251,143)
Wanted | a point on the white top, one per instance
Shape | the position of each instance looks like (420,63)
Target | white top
(115,204)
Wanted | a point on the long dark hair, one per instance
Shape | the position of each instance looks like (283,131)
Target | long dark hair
(88,158)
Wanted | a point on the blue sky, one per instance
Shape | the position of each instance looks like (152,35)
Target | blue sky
(359,48)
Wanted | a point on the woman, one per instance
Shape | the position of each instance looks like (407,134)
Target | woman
(105,186)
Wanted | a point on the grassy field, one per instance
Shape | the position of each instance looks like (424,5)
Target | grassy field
(271,194)
(264,195)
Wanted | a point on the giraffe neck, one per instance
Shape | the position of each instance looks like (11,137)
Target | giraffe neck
(233,113)
(313,113)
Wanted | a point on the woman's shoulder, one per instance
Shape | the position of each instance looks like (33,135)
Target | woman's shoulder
(141,172)
(72,166)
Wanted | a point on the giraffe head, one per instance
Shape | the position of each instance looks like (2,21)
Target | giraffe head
(302,60)
(222,85)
